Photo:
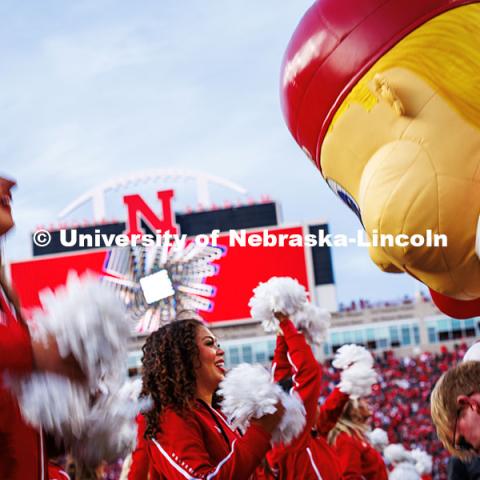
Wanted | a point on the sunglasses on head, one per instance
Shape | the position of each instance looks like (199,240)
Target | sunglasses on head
(462,444)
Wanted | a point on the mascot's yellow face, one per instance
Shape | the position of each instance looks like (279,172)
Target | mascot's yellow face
(404,152)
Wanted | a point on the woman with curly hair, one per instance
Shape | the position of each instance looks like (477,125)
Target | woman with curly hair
(357,457)
(186,436)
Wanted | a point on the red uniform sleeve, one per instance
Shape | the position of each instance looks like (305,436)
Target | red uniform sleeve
(280,365)
(349,456)
(15,348)
(306,370)
(180,452)
(330,411)
(306,380)
(139,466)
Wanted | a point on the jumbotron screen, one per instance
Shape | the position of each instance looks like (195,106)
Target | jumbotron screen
(240,271)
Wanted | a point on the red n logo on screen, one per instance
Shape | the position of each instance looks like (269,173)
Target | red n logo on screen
(138,210)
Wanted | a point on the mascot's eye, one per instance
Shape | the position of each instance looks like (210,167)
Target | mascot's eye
(345,197)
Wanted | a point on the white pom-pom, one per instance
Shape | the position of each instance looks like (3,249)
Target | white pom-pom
(98,429)
(314,322)
(248,392)
(293,420)
(473,353)
(51,402)
(378,438)
(286,295)
(348,355)
(423,461)
(110,429)
(396,453)
(96,420)
(404,471)
(358,374)
(357,380)
(278,294)
(89,321)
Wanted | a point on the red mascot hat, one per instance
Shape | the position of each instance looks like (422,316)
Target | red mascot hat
(334,45)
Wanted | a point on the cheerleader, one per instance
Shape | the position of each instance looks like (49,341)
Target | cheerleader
(22,454)
(358,458)
(328,414)
(187,436)
(294,363)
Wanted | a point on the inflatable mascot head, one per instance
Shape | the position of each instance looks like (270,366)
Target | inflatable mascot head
(384,97)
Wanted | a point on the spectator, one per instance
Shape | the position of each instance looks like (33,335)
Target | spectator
(456,409)
(459,470)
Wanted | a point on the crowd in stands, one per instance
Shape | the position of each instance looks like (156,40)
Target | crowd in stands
(364,304)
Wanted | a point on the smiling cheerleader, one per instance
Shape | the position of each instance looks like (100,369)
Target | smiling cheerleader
(187,437)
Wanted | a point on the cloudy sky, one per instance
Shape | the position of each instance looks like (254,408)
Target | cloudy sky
(95,89)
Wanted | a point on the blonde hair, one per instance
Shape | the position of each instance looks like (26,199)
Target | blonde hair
(464,379)
(348,424)
(445,52)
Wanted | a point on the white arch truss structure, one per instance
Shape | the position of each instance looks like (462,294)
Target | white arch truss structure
(97,194)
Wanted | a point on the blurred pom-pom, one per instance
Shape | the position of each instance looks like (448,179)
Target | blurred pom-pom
(89,321)
(378,438)
(51,402)
(423,461)
(109,431)
(95,419)
(396,453)
(248,393)
(404,471)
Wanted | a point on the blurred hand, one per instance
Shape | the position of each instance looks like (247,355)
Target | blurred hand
(281,317)
(46,357)
(270,421)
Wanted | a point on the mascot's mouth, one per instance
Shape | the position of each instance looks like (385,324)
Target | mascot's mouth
(477,240)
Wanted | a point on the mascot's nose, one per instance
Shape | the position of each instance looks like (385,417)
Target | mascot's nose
(399,196)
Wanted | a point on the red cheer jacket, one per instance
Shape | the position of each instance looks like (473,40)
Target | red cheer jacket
(202,445)
(22,455)
(358,459)
(328,414)
(140,466)
(56,472)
